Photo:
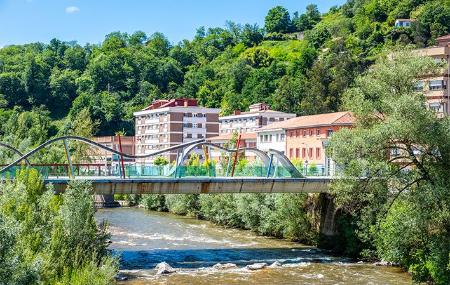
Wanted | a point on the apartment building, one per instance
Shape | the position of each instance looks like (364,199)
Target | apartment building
(259,115)
(435,87)
(167,123)
(305,138)
(105,157)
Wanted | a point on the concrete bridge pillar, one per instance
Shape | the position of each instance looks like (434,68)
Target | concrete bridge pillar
(105,201)
(328,232)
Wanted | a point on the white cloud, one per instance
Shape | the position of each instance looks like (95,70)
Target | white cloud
(72,9)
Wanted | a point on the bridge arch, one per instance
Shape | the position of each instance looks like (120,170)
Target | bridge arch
(262,155)
(15,150)
(286,163)
(92,143)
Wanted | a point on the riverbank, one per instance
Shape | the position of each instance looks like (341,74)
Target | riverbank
(144,238)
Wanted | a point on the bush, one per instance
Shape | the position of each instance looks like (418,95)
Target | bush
(183,204)
(220,209)
(48,238)
(153,202)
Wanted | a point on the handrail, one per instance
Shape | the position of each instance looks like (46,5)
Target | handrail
(90,142)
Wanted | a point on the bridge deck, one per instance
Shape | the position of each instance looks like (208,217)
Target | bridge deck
(107,186)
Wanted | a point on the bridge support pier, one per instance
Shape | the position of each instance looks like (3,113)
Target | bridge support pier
(332,235)
(105,201)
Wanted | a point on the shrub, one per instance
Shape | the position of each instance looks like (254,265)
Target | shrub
(153,202)
(183,204)
(48,238)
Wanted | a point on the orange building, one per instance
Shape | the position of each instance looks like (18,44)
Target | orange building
(306,137)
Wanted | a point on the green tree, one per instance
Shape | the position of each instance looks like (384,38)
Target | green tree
(402,154)
(51,239)
(307,20)
(278,20)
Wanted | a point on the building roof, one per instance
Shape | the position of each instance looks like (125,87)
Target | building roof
(255,109)
(446,37)
(182,102)
(405,20)
(229,136)
(329,119)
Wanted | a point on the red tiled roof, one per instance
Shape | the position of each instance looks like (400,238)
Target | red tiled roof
(338,118)
(181,102)
(226,137)
(446,37)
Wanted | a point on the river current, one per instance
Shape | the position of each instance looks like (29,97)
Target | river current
(143,239)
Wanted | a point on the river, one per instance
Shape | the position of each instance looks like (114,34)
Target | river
(193,247)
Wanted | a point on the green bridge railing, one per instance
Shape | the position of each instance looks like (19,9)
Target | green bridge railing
(146,171)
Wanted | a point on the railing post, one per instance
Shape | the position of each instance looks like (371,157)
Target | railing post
(228,165)
(121,157)
(275,170)
(238,144)
(270,166)
(70,171)
(176,163)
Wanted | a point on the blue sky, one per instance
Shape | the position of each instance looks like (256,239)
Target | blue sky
(24,21)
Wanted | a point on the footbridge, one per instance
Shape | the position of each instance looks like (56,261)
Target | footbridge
(272,172)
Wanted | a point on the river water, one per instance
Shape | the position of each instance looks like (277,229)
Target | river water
(143,239)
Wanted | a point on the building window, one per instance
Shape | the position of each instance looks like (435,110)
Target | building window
(282,137)
(310,152)
(297,152)
(435,107)
(304,133)
(310,133)
(317,132)
(188,115)
(297,133)
(437,85)
(304,152)
(318,153)
(291,152)
(329,133)
(189,136)
(418,86)
(200,136)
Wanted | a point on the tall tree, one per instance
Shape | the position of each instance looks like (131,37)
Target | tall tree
(400,153)
(278,20)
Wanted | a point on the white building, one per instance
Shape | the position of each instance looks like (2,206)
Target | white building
(259,115)
(273,138)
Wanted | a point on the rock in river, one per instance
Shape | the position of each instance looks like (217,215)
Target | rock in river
(220,266)
(256,266)
(164,268)
(275,264)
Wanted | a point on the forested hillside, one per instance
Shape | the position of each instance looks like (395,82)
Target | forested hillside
(62,87)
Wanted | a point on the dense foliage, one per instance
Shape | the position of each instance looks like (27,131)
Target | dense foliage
(401,208)
(51,239)
(300,63)
(291,216)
